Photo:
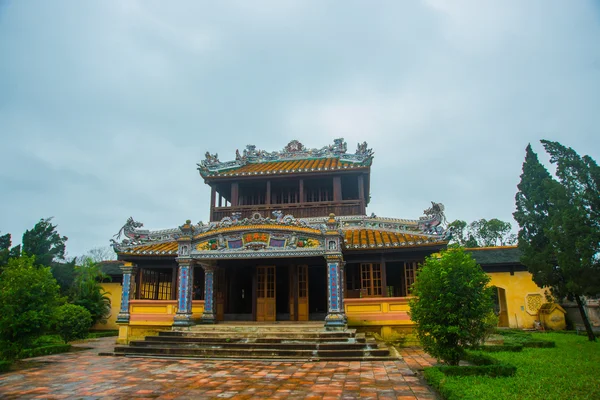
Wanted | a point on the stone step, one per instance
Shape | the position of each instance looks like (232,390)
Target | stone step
(262,334)
(294,328)
(254,339)
(177,351)
(255,346)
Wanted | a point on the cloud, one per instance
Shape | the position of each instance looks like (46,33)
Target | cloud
(106,107)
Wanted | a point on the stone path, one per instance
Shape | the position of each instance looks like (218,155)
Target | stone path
(89,376)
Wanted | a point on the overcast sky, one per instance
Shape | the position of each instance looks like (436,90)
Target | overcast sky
(107,106)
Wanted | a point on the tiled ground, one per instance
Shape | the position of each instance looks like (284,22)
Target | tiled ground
(416,358)
(86,375)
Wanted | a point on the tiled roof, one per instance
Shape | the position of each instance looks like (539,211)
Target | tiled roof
(355,239)
(258,227)
(496,255)
(111,267)
(287,167)
(156,249)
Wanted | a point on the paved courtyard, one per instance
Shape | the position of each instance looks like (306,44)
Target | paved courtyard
(86,375)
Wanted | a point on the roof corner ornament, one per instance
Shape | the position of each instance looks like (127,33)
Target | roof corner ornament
(211,159)
(434,219)
(363,150)
(131,232)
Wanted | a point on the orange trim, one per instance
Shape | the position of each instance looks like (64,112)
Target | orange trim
(287,167)
(362,239)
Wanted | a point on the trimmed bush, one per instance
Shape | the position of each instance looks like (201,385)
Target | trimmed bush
(494,371)
(46,350)
(72,322)
(452,308)
(539,344)
(101,334)
(503,347)
(4,366)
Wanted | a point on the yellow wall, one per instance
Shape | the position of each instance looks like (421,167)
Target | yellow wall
(115,304)
(517,287)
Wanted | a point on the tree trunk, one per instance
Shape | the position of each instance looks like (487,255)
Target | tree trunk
(586,322)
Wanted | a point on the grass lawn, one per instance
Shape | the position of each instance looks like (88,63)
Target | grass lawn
(571,370)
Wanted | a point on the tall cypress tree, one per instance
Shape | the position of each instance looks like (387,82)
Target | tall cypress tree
(559,233)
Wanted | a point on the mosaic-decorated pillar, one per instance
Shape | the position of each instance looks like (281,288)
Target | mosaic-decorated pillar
(183,317)
(208,315)
(336,315)
(185,273)
(129,269)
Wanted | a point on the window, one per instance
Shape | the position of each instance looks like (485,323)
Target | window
(410,269)
(156,284)
(370,280)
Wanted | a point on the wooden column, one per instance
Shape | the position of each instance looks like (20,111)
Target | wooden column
(213,196)
(337,188)
(301,190)
(361,193)
(268,194)
(383,277)
(220,200)
(235,187)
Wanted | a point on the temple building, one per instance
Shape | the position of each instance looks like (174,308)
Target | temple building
(289,239)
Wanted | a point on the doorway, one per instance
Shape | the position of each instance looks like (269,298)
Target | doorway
(317,293)
(266,293)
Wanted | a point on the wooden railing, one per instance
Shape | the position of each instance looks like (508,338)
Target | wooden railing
(298,210)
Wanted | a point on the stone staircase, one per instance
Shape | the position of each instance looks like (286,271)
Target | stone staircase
(259,342)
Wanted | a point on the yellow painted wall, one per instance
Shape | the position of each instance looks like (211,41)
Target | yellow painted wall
(517,287)
(115,304)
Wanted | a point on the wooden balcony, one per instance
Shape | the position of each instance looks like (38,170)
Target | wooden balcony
(298,210)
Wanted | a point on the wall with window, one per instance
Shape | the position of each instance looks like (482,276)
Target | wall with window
(387,279)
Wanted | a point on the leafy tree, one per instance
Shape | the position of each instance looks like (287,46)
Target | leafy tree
(64,273)
(559,224)
(492,233)
(6,252)
(72,322)
(89,293)
(99,254)
(5,241)
(461,234)
(452,307)
(44,242)
(482,233)
(28,298)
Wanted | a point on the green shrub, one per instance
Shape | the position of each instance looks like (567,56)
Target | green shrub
(452,306)
(28,298)
(4,366)
(72,322)
(540,344)
(89,293)
(101,334)
(503,347)
(46,350)
(494,371)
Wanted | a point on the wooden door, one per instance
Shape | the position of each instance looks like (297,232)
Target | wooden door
(303,293)
(265,294)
